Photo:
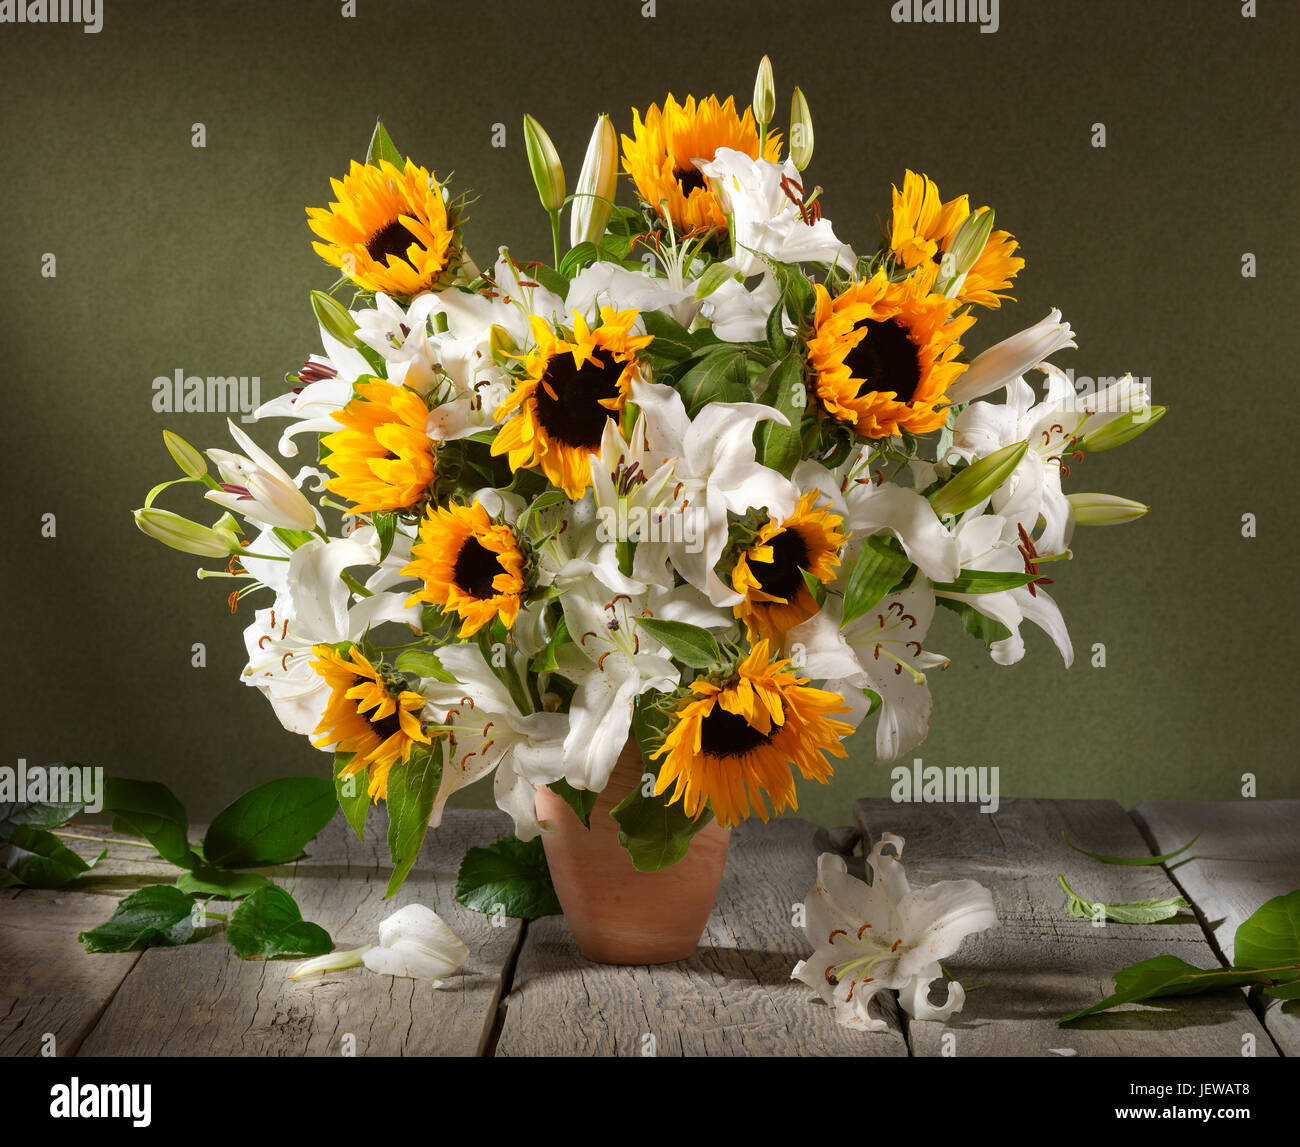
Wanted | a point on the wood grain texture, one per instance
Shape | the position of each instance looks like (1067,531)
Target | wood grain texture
(734,997)
(49,987)
(1249,853)
(202,999)
(1040,963)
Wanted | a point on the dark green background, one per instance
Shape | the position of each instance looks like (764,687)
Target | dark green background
(171,257)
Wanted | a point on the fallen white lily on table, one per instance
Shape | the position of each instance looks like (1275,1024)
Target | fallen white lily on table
(414,942)
(884,935)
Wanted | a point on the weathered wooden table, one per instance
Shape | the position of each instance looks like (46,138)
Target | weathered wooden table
(527,991)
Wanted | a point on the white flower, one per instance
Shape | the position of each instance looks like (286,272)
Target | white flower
(764,219)
(1010,358)
(490,732)
(416,942)
(884,936)
(258,488)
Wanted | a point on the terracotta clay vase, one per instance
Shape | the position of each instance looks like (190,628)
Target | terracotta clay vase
(619,915)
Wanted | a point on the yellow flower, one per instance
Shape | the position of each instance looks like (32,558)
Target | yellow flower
(570,388)
(388,230)
(728,743)
(769,572)
(883,355)
(923,228)
(469,565)
(661,152)
(367,716)
(383,457)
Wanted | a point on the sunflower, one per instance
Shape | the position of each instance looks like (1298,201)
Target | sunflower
(469,564)
(570,388)
(383,456)
(923,229)
(660,156)
(769,573)
(883,355)
(388,230)
(729,742)
(372,718)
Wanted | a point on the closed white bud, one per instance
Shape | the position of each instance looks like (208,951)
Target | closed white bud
(597,185)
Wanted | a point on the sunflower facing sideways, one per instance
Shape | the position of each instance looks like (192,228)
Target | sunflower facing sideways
(884,354)
(770,572)
(388,230)
(661,152)
(731,741)
(383,458)
(571,386)
(470,565)
(371,717)
(923,228)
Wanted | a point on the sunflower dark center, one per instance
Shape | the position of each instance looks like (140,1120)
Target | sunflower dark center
(724,734)
(475,568)
(886,359)
(569,397)
(789,555)
(688,178)
(392,239)
(385,727)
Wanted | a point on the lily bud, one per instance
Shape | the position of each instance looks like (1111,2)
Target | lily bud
(978,481)
(185,456)
(764,94)
(1123,429)
(966,248)
(501,345)
(544,162)
(801,130)
(597,185)
(334,318)
(1104,509)
(187,536)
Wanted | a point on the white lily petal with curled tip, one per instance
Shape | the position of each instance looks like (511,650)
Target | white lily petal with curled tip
(416,942)
(738,314)
(271,498)
(1009,359)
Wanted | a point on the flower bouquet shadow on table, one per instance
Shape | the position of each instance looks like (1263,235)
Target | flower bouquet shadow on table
(642,532)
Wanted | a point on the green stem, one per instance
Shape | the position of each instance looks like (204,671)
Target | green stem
(555,236)
(102,839)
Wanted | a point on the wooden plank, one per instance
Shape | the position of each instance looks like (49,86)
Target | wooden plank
(735,997)
(1249,853)
(1039,963)
(202,999)
(51,992)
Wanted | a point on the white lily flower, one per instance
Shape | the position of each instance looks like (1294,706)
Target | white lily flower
(716,471)
(881,651)
(738,314)
(490,733)
(258,488)
(759,199)
(417,943)
(1011,358)
(870,938)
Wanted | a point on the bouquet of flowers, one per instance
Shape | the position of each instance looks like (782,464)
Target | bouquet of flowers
(701,481)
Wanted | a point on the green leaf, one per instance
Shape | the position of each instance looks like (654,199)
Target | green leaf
(879,566)
(672,341)
(39,859)
(422,663)
(815,585)
(1270,937)
(270,924)
(777,341)
(545,661)
(292,538)
(38,814)
(720,375)
(271,823)
(687,643)
(1148,911)
(509,877)
(1289,991)
(150,810)
(779,446)
(221,883)
(1165,976)
(582,801)
(975,623)
(655,833)
(412,789)
(1133,860)
(382,147)
(583,255)
(984,581)
(385,523)
(157,916)
(356,802)
(551,279)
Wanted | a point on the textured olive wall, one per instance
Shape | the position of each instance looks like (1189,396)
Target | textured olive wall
(171,257)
